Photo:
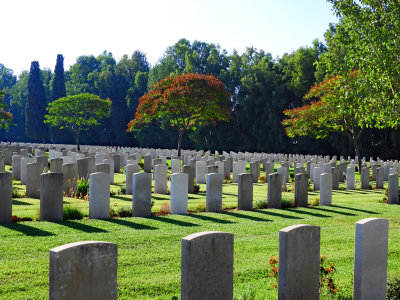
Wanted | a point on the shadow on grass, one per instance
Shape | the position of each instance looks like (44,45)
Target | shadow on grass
(122,198)
(308,212)
(18,202)
(335,211)
(211,219)
(130,224)
(275,214)
(27,230)
(356,209)
(80,226)
(173,222)
(237,215)
(159,198)
(229,194)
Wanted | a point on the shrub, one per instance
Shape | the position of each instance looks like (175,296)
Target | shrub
(122,190)
(287,202)
(261,204)
(196,188)
(72,213)
(18,219)
(141,165)
(164,209)
(82,188)
(16,193)
(199,208)
(393,289)
(315,201)
(124,212)
(262,179)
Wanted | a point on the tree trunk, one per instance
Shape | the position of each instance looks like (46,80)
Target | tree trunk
(180,142)
(77,140)
(354,140)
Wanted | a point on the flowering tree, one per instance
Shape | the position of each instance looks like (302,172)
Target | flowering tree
(341,106)
(183,102)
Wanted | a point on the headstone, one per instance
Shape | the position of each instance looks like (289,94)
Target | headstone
(99,196)
(16,166)
(200,172)
(239,167)
(189,170)
(245,192)
(175,166)
(219,165)
(5,198)
(161,179)
(214,192)
(70,172)
(83,270)
(141,195)
(51,197)
(255,170)
(335,178)
(301,190)
(56,165)
(179,193)
(299,257)
(227,169)
(43,162)
(350,177)
(110,162)
(269,167)
(7,156)
(393,189)
(325,194)
(83,167)
(274,190)
(207,266)
(370,259)
(117,162)
(24,162)
(105,168)
(147,163)
(379,178)
(316,176)
(33,180)
(365,178)
(130,170)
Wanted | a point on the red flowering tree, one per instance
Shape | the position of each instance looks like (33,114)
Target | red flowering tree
(338,104)
(5,117)
(183,101)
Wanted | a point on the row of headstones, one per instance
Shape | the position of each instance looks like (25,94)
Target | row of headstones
(88,270)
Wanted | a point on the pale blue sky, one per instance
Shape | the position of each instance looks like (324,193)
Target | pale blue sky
(39,30)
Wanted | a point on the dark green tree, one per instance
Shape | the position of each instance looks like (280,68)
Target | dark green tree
(59,91)
(36,106)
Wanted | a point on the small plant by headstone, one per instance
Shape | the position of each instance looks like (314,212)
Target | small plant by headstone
(196,188)
(261,204)
(393,289)
(315,201)
(72,213)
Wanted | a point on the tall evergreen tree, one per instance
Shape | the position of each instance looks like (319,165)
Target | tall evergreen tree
(36,106)
(58,91)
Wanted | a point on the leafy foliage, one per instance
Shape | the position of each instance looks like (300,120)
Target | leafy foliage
(183,102)
(77,112)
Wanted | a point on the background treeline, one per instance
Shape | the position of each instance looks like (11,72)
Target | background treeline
(261,87)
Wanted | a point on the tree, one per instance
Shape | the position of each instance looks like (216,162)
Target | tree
(5,117)
(369,32)
(59,91)
(183,101)
(342,107)
(36,106)
(77,113)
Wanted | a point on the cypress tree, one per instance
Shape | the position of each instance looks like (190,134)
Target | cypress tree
(36,106)
(58,91)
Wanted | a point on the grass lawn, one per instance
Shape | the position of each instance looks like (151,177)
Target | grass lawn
(149,248)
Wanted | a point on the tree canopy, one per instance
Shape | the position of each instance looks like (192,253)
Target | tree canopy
(77,112)
(5,117)
(183,101)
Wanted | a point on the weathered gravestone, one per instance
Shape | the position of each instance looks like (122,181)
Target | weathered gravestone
(83,271)
(245,192)
(33,180)
(99,196)
(130,170)
(299,250)
(274,190)
(370,259)
(301,190)
(214,192)
(51,197)
(179,193)
(161,179)
(190,171)
(207,266)
(141,195)
(5,198)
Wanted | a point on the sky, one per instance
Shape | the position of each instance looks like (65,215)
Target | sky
(41,29)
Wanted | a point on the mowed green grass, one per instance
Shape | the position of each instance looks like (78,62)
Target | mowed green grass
(149,248)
